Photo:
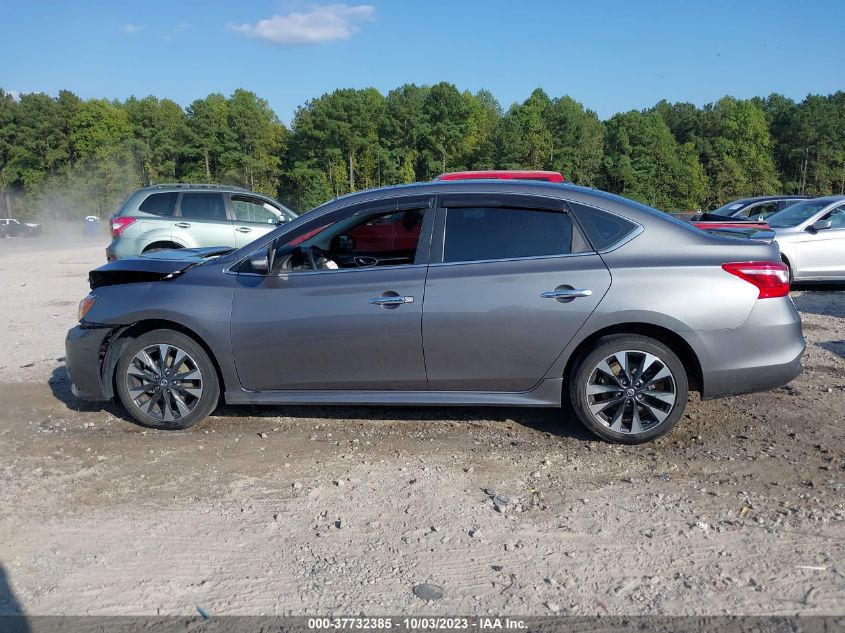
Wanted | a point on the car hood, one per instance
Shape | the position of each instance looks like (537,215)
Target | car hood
(160,266)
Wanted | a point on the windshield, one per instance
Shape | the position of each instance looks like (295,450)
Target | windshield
(796,214)
(730,208)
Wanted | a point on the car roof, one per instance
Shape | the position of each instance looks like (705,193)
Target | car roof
(563,191)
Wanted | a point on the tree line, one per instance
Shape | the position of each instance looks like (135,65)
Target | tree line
(64,157)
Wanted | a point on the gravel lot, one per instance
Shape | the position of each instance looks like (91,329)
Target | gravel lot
(305,510)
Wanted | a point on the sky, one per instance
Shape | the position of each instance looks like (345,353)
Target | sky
(612,56)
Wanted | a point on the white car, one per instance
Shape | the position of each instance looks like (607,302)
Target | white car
(811,236)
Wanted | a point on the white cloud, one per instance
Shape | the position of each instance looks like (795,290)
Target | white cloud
(15,94)
(131,29)
(321,24)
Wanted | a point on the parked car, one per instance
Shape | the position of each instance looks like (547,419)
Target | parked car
(13,227)
(91,226)
(758,208)
(524,294)
(811,236)
(504,174)
(164,217)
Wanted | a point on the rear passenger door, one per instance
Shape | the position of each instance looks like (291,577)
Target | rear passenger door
(202,220)
(511,281)
(253,217)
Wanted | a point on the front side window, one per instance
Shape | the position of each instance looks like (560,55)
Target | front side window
(484,233)
(363,240)
(203,206)
(837,218)
(254,210)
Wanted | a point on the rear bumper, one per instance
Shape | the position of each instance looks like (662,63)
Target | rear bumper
(763,353)
(123,247)
(84,347)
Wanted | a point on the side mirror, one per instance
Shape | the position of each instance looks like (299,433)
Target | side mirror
(260,263)
(821,225)
(346,243)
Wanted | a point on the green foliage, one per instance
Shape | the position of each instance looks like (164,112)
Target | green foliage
(65,157)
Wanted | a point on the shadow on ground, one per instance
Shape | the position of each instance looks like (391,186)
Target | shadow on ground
(11,610)
(560,422)
(808,300)
(60,386)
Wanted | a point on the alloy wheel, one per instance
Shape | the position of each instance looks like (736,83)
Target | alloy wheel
(631,392)
(164,382)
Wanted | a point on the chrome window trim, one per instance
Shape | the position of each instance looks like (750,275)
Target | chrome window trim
(513,259)
(228,271)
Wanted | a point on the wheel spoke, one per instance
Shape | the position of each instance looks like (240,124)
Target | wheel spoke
(657,413)
(193,374)
(594,389)
(636,423)
(663,373)
(168,409)
(622,359)
(616,421)
(645,365)
(196,393)
(180,404)
(178,360)
(149,362)
(599,407)
(605,368)
(147,407)
(664,396)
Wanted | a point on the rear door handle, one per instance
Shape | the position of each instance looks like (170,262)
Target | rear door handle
(183,225)
(243,229)
(566,293)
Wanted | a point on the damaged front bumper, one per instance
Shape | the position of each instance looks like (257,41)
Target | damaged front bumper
(85,348)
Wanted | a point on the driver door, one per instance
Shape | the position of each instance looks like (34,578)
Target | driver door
(358,327)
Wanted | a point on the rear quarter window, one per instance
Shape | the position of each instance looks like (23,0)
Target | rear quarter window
(603,229)
(159,203)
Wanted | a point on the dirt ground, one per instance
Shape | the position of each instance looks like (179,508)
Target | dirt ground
(344,510)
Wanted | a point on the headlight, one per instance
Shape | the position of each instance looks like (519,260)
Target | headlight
(85,305)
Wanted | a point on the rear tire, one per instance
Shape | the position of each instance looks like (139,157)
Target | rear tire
(611,398)
(161,246)
(167,381)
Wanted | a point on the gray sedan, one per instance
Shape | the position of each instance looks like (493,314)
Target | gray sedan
(446,293)
(811,236)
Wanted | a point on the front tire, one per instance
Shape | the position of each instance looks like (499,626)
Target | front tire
(166,380)
(629,389)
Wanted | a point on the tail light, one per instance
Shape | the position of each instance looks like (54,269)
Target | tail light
(119,225)
(771,278)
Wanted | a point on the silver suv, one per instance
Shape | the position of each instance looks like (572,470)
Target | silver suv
(164,217)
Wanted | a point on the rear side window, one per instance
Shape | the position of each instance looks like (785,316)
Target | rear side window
(159,203)
(203,206)
(482,233)
(603,229)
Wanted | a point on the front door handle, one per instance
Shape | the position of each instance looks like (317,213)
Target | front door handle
(244,229)
(390,300)
(565,294)
(183,225)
